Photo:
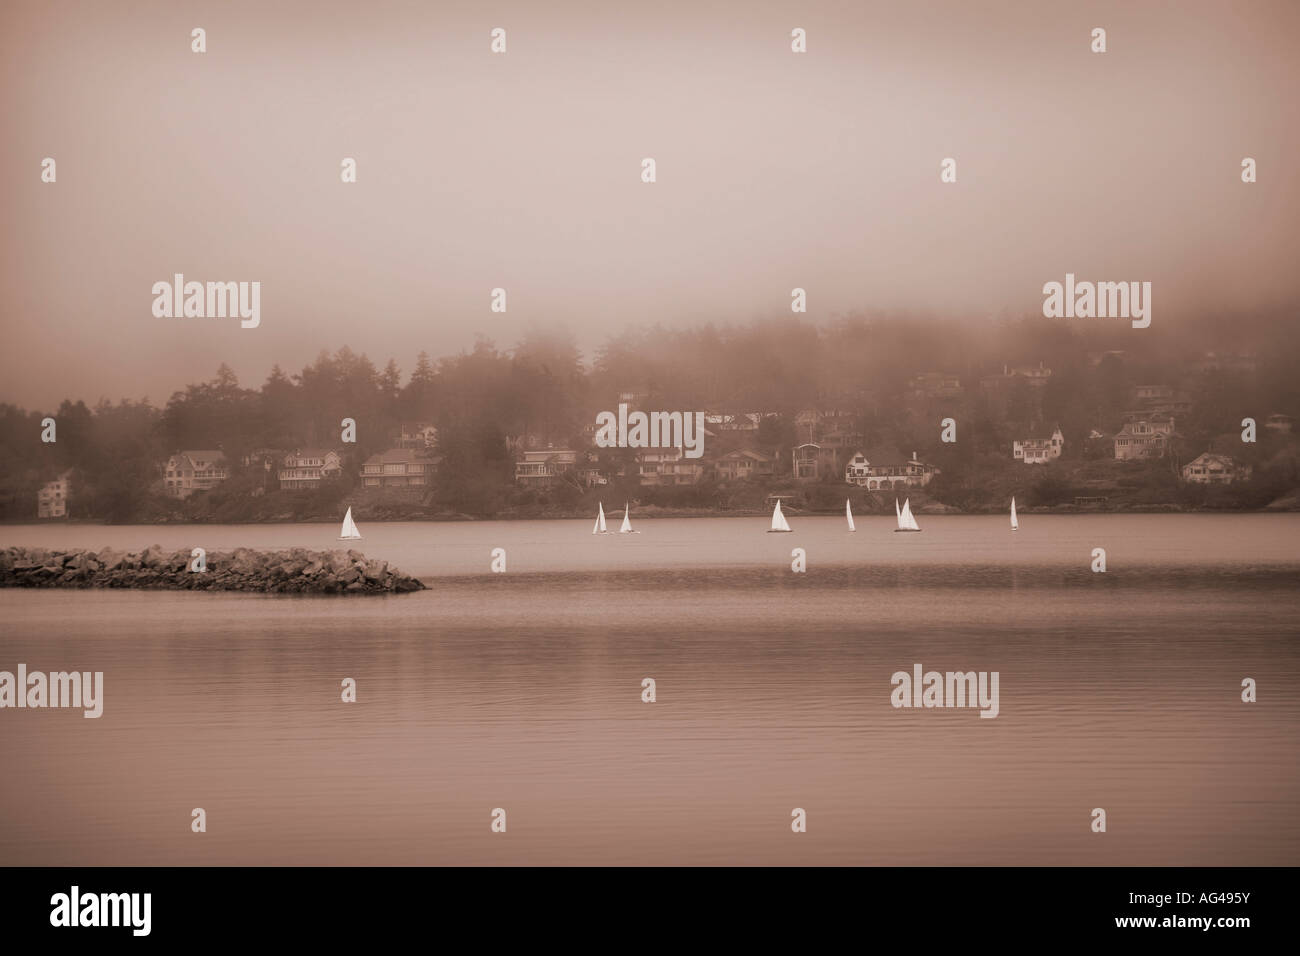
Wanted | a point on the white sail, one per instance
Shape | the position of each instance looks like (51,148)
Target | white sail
(627,521)
(848,513)
(600,522)
(349,529)
(778,519)
(905,520)
(898,513)
(1015,525)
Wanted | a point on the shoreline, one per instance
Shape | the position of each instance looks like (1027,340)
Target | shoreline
(651,513)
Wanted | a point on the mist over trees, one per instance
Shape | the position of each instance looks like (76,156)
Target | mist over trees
(487,400)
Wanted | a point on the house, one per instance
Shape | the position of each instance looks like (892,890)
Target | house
(1150,394)
(837,443)
(52,499)
(1144,439)
(884,468)
(1159,401)
(1039,448)
(308,467)
(399,468)
(544,466)
(668,466)
(805,461)
(936,385)
(1096,358)
(826,440)
(1214,469)
(189,471)
(1035,376)
(262,458)
(723,422)
(416,435)
(1280,423)
(743,463)
(1243,363)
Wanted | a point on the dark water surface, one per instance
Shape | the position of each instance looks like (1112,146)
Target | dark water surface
(523,691)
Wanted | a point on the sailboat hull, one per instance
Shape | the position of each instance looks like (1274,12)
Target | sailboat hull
(779,530)
(907,531)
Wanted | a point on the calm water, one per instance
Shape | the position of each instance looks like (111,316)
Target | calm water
(1118,690)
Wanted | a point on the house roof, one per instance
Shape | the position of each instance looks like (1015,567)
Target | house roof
(887,457)
(313,452)
(1206,457)
(544,454)
(204,455)
(1154,433)
(395,456)
(746,453)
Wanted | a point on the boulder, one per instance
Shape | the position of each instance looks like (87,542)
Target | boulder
(292,571)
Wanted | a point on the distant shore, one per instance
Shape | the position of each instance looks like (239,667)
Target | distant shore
(1290,505)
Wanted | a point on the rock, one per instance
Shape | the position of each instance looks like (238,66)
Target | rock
(293,571)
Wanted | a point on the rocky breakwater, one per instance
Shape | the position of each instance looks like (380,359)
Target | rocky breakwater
(292,571)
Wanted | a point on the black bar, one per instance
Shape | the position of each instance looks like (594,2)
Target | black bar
(652,907)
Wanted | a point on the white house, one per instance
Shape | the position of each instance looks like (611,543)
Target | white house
(52,499)
(1039,448)
(885,468)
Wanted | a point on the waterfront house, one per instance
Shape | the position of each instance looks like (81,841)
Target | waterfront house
(745,463)
(308,467)
(1214,469)
(52,499)
(668,466)
(544,466)
(189,471)
(399,468)
(884,468)
(1039,447)
(805,461)
(1144,439)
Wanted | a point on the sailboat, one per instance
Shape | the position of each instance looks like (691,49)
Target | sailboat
(848,513)
(1015,525)
(600,522)
(778,520)
(349,529)
(905,520)
(627,522)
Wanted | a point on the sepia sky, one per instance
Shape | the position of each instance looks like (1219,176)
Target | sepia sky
(522,170)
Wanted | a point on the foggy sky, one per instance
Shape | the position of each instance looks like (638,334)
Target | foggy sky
(522,170)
